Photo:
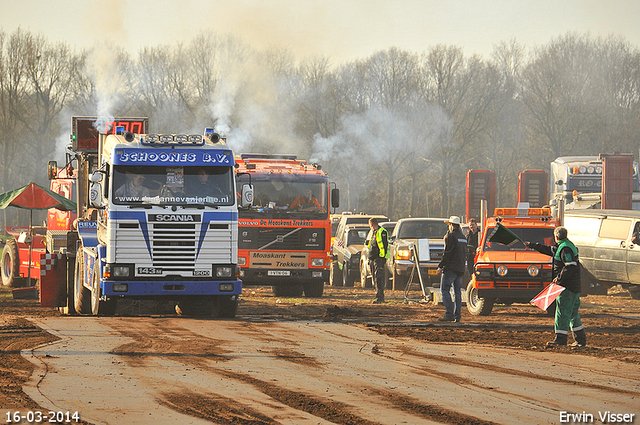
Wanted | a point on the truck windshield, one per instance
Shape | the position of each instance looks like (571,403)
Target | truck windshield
(423,230)
(530,234)
(178,185)
(287,196)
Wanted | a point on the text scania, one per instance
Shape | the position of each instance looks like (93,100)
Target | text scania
(174,217)
(171,157)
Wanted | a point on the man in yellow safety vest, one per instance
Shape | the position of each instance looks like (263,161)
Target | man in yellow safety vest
(378,254)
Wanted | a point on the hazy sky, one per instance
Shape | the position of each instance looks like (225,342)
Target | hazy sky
(339,29)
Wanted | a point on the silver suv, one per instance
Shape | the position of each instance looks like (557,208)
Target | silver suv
(418,232)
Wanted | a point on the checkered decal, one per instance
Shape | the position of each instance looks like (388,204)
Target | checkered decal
(48,262)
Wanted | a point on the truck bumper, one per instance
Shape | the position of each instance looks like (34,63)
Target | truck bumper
(169,288)
(261,277)
(516,295)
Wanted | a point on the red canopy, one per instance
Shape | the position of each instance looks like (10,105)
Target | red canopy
(34,197)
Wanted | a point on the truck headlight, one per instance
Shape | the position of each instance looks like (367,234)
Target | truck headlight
(224,271)
(317,262)
(502,270)
(242,261)
(533,270)
(403,254)
(120,271)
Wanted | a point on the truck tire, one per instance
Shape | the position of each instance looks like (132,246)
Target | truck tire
(365,282)
(98,307)
(478,306)
(399,281)
(228,306)
(10,263)
(347,279)
(335,274)
(313,289)
(81,295)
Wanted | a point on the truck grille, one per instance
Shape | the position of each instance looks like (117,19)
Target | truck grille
(281,238)
(175,248)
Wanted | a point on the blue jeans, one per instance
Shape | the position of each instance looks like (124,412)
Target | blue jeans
(451,278)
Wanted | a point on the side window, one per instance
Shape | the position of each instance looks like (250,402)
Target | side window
(615,228)
(588,227)
(635,237)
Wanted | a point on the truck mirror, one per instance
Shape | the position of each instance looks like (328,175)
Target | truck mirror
(335,198)
(96,177)
(52,169)
(247,195)
(95,195)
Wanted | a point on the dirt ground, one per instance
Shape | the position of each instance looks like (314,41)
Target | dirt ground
(612,323)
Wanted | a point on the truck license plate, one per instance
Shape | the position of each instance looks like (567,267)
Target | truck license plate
(278,273)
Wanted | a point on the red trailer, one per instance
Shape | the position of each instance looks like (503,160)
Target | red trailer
(532,188)
(481,185)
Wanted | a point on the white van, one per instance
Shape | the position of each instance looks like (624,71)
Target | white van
(608,242)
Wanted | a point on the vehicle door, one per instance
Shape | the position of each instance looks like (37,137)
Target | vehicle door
(339,245)
(611,249)
(633,254)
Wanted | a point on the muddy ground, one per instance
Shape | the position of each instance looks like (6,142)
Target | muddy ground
(612,323)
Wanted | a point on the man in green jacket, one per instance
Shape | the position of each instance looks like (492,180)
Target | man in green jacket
(566,272)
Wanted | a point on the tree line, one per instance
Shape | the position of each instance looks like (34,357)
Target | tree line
(397,131)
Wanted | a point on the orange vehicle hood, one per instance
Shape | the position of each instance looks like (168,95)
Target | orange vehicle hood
(512,257)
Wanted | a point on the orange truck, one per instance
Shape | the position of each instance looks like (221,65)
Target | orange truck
(284,237)
(506,274)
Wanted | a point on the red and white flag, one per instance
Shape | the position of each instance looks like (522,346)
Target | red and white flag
(548,295)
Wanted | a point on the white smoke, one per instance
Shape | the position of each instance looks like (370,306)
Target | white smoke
(104,68)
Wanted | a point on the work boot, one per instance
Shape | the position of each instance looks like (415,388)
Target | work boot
(378,301)
(559,341)
(447,318)
(581,339)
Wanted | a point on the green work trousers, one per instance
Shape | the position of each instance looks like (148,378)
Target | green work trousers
(567,315)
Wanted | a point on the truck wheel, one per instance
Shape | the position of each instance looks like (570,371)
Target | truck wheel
(81,295)
(399,281)
(347,280)
(365,281)
(313,289)
(335,274)
(478,306)
(227,306)
(98,307)
(10,264)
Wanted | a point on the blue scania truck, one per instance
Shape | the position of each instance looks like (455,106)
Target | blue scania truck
(157,220)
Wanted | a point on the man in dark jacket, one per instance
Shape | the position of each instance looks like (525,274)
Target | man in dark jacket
(566,272)
(378,254)
(451,268)
(472,244)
